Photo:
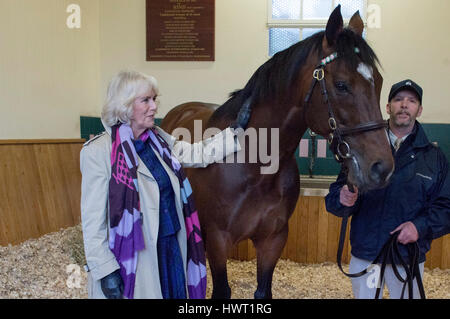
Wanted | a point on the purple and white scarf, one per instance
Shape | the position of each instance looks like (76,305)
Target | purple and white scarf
(125,234)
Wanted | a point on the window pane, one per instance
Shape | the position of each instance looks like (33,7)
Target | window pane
(282,38)
(307,32)
(316,9)
(349,7)
(285,9)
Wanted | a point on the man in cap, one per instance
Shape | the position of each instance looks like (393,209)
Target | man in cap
(416,203)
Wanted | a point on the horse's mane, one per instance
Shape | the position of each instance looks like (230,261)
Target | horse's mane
(278,73)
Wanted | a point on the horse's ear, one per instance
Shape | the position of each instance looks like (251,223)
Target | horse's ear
(356,24)
(335,26)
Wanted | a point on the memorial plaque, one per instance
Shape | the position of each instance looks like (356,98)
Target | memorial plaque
(180,30)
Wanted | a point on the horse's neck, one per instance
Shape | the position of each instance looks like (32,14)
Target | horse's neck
(289,122)
(286,111)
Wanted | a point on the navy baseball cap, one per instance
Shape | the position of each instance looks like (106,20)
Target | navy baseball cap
(406,85)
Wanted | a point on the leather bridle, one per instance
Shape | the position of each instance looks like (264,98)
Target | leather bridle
(338,145)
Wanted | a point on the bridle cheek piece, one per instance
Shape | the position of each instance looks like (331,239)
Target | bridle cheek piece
(337,144)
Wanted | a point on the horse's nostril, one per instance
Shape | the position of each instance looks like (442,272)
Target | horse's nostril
(377,172)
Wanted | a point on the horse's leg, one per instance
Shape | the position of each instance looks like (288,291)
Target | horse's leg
(217,249)
(268,251)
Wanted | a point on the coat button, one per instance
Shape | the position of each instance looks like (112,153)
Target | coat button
(412,156)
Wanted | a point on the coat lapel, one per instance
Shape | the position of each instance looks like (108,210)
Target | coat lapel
(142,168)
(172,176)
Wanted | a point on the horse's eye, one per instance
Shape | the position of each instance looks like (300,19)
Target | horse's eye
(341,87)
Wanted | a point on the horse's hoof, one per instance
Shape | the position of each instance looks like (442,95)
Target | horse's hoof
(262,295)
(226,294)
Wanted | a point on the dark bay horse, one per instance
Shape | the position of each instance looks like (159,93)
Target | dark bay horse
(235,200)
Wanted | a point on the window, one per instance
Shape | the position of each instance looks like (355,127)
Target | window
(290,21)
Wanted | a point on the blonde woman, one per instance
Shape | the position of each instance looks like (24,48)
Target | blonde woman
(141,232)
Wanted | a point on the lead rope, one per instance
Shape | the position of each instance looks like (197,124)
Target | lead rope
(389,252)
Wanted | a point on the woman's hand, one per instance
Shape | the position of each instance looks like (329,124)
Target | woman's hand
(112,285)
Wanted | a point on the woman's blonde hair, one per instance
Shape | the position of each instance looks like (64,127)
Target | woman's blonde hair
(123,89)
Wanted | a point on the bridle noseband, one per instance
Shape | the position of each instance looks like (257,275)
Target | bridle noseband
(338,145)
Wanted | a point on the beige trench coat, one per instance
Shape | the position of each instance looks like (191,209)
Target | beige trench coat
(95,163)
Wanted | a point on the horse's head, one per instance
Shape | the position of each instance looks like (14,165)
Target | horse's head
(343,102)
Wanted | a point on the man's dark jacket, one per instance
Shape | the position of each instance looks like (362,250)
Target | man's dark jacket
(419,191)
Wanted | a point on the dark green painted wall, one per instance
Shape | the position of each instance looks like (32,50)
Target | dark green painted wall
(93,125)
(439,133)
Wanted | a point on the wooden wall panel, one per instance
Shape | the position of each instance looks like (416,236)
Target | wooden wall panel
(41,188)
(40,193)
(314,236)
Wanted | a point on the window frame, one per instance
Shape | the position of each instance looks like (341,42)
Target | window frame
(304,23)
